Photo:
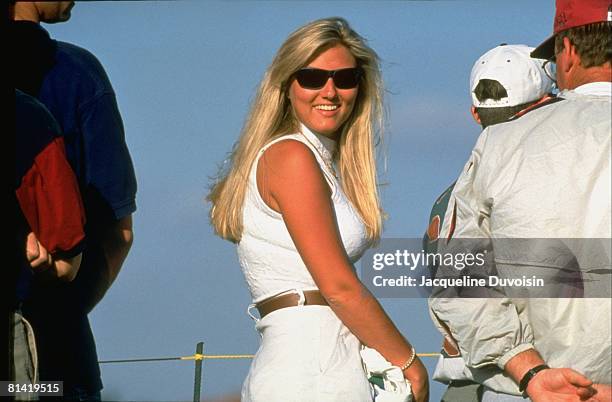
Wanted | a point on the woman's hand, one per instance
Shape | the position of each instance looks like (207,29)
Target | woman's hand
(419,381)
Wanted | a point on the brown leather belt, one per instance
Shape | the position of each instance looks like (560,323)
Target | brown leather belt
(311,297)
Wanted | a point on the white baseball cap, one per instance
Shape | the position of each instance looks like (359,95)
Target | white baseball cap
(524,78)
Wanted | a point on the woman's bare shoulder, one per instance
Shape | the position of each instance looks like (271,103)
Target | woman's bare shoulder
(289,156)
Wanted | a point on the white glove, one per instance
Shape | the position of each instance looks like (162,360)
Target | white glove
(396,388)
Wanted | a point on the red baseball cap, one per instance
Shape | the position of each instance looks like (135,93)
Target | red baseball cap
(570,14)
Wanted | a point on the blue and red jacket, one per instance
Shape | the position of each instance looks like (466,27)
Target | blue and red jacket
(48,200)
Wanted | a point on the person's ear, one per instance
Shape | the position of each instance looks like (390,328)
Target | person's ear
(570,54)
(475,114)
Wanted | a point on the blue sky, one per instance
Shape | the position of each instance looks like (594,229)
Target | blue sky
(184,73)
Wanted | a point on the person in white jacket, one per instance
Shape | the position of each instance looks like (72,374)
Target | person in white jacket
(505,83)
(545,175)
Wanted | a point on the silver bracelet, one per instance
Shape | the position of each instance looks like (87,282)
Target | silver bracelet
(410,360)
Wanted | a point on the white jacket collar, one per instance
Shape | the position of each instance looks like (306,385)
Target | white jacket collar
(595,88)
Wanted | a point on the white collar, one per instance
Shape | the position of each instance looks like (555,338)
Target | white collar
(325,145)
(595,88)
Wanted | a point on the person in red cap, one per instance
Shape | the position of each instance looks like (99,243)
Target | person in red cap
(546,175)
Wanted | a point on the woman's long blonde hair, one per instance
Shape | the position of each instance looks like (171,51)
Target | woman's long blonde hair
(266,120)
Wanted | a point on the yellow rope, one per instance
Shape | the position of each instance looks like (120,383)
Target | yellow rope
(202,357)
(428,354)
(198,356)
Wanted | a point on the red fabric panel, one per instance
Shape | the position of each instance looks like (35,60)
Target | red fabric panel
(50,199)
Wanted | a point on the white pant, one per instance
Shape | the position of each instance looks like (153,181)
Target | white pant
(306,355)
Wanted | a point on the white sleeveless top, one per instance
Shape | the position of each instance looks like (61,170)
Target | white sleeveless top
(270,262)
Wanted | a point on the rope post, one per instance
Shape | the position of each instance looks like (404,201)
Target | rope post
(197,381)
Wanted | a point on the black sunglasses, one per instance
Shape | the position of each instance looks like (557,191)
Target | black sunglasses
(315,78)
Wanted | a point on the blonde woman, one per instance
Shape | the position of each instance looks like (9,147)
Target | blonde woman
(300,224)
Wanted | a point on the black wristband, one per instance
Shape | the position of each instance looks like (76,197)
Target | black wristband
(528,376)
